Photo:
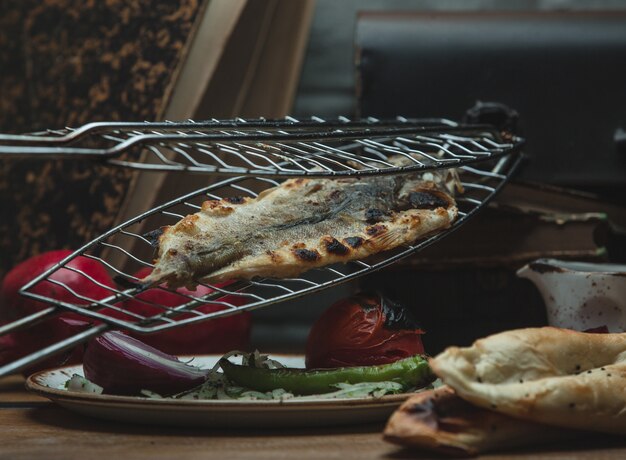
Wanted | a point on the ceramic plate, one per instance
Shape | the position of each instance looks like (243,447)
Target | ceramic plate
(211,413)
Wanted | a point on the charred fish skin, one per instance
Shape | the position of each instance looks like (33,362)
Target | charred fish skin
(299,225)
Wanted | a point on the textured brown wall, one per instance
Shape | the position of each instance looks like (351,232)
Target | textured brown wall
(65,63)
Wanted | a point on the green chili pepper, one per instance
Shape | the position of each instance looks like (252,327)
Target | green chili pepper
(410,372)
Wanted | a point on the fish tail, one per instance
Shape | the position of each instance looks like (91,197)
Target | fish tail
(389,239)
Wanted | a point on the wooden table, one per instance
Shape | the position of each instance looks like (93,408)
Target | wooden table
(33,428)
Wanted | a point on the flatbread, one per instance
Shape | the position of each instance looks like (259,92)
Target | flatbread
(547,375)
(438,420)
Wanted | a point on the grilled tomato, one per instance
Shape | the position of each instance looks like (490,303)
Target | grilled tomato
(92,285)
(17,306)
(214,336)
(363,330)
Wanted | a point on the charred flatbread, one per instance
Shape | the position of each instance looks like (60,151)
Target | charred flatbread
(438,420)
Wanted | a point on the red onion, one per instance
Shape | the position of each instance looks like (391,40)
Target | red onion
(124,365)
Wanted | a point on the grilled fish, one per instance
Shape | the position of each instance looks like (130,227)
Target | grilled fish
(302,224)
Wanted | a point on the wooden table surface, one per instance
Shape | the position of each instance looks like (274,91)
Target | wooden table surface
(33,428)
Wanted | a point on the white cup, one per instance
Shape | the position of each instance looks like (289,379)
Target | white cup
(581,296)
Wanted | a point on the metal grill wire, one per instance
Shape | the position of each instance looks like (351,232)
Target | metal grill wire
(480,182)
(288,147)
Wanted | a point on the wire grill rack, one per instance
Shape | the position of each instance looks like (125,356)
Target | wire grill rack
(272,148)
(480,181)
(259,153)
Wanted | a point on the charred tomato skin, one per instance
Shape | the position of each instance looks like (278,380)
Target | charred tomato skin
(362,330)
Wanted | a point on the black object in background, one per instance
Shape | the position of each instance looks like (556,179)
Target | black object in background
(563,72)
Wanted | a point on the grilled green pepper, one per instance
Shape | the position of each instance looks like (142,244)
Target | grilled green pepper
(410,372)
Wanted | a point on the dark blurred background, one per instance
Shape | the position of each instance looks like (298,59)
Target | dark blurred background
(420,63)
(64,63)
